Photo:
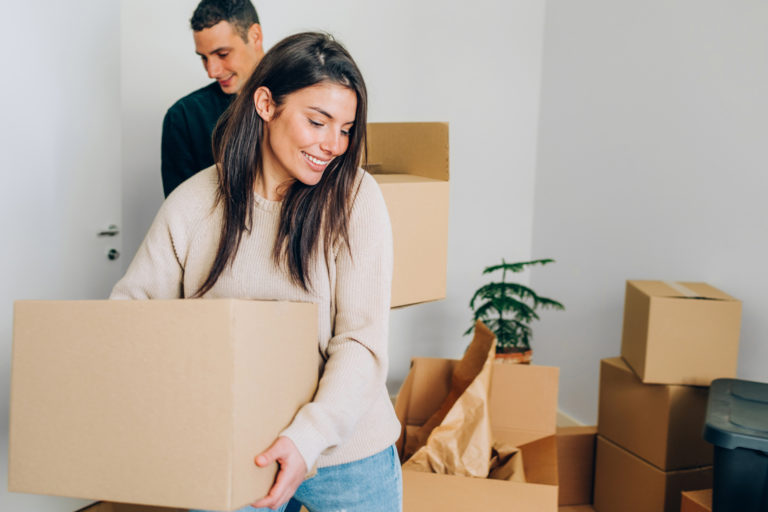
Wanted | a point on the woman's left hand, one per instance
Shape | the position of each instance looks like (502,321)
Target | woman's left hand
(291,472)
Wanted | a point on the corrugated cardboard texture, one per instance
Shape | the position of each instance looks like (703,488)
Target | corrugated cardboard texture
(697,501)
(671,338)
(155,402)
(576,464)
(523,406)
(660,423)
(626,483)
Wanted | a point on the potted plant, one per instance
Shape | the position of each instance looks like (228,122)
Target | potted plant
(508,309)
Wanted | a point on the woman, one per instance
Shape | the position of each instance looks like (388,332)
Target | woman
(287,215)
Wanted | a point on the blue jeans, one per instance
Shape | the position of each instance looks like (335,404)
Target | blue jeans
(373,484)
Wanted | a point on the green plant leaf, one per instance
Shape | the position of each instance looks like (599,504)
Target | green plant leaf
(496,289)
(500,305)
(544,302)
(516,267)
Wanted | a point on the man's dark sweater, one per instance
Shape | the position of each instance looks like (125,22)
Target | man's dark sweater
(187,130)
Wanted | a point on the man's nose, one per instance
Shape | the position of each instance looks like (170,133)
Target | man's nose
(213,67)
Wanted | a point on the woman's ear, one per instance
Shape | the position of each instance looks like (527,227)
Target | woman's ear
(265,107)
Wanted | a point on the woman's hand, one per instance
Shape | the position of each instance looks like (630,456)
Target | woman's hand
(291,472)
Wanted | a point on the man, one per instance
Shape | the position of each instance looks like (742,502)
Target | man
(228,40)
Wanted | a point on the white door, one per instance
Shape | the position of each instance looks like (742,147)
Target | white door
(60,149)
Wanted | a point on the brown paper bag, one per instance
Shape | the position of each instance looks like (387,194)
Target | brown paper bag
(461,443)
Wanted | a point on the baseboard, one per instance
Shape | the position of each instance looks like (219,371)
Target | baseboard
(564,420)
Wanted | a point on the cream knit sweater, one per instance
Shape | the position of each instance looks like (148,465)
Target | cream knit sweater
(351,416)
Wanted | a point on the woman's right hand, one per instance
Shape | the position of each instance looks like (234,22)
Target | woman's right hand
(291,472)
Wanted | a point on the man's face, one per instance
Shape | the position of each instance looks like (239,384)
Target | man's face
(226,56)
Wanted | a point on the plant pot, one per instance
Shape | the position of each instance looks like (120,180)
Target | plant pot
(515,356)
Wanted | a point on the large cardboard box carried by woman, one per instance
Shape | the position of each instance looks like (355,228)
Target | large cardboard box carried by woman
(155,402)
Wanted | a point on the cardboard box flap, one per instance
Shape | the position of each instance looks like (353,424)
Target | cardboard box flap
(419,149)
(540,461)
(524,397)
(447,493)
(681,290)
(424,389)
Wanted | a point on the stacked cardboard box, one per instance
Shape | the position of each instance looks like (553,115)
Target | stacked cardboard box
(677,338)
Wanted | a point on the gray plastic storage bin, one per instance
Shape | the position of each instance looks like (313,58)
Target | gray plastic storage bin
(737,424)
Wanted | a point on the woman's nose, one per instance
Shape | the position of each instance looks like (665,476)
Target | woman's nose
(334,144)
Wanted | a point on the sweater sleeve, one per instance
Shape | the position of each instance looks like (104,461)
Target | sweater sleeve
(157,269)
(356,367)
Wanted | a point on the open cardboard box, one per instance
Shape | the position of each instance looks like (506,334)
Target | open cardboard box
(155,402)
(523,408)
(680,333)
(410,163)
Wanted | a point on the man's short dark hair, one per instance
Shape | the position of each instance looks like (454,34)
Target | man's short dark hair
(241,14)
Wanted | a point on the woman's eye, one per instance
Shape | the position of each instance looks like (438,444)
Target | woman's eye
(345,132)
(314,123)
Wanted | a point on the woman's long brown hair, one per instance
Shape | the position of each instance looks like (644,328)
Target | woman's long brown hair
(296,62)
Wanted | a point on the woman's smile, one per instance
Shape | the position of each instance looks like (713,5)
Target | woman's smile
(315,163)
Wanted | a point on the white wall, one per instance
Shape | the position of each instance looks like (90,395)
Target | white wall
(651,165)
(476,67)
(60,145)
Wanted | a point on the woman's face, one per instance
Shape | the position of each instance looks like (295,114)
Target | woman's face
(306,132)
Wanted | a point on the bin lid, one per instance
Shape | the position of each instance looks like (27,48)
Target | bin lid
(737,414)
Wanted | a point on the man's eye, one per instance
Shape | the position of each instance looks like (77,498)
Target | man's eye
(223,55)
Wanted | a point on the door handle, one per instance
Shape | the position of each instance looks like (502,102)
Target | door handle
(112,230)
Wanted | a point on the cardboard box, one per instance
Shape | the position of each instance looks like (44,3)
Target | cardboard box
(410,163)
(576,464)
(107,506)
(523,408)
(155,402)
(627,483)
(696,501)
(660,423)
(680,333)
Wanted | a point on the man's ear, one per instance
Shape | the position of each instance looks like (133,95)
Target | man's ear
(265,107)
(256,38)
